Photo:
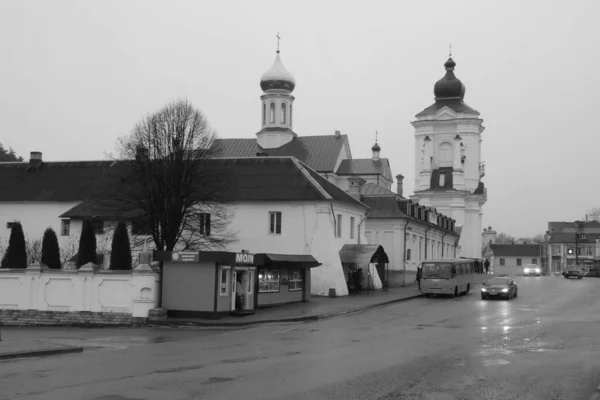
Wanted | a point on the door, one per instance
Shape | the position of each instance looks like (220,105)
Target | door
(248,286)
(233,286)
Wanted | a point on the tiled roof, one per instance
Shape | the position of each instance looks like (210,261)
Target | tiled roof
(569,237)
(371,189)
(515,250)
(558,226)
(254,179)
(318,152)
(457,105)
(52,181)
(365,166)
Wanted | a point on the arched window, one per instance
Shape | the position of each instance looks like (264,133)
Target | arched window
(264,119)
(283,113)
(291,115)
(445,154)
(272,113)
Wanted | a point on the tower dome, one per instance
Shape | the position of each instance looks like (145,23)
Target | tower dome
(277,77)
(449,87)
(376,147)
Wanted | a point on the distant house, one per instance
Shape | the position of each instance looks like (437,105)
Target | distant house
(570,243)
(511,258)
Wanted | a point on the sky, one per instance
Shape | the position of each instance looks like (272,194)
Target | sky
(77,75)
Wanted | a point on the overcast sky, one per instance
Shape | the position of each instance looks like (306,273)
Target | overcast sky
(76,75)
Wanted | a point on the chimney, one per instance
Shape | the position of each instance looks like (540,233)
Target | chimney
(399,178)
(336,134)
(355,184)
(35,160)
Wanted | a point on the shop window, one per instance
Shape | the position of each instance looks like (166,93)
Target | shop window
(98,225)
(339,226)
(65,227)
(295,280)
(534,261)
(224,281)
(519,263)
(502,261)
(205,224)
(275,222)
(141,227)
(268,280)
(351,227)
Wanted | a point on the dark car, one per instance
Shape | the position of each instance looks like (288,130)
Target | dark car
(499,288)
(573,271)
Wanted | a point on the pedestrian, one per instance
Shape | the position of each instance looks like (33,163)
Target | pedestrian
(487,266)
(419,271)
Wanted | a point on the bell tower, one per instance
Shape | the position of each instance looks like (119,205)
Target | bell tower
(276,105)
(448,165)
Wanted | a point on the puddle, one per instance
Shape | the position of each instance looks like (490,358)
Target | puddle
(179,369)
(494,361)
(242,360)
(218,379)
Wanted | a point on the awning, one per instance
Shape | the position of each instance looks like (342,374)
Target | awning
(363,254)
(286,260)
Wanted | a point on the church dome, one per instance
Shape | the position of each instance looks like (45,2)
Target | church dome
(277,77)
(449,87)
(376,147)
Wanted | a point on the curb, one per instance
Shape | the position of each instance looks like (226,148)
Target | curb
(40,353)
(280,320)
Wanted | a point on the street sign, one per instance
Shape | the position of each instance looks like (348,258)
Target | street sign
(185,256)
(244,258)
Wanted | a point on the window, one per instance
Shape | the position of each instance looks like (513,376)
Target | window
(518,262)
(98,225)
(205,224)
(272,113)
(224,281)
(555,250)
(583,237)
(275,222)
(295,280)
(290,115)
(141,227)
(351,227)
(445,152)
(339,226)
(534,261)
(283,113)
(264,119)
(268,280)
(442,180)
(502,261)
(407,254)
(420,249)
(65,227)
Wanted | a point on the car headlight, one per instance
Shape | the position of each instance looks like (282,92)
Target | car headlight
(526,270)
(483,289)
(504,290)
(537,270)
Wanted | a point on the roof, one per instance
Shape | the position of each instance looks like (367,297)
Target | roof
(593,226)
(515,250)
(365,166)
(371,189)
(457,105)
(318,152)
(363,254)
(569,237)
(51,181)
(252,179)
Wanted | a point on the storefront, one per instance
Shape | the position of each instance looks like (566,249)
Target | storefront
(217,283)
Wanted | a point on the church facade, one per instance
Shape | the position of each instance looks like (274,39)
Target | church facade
(448,165)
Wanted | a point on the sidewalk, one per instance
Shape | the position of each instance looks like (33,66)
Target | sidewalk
(12,347)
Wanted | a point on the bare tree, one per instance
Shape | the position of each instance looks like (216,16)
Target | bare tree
(594,214)
(505,238)
(168,177)
(34,250)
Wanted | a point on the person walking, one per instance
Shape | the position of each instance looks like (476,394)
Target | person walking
(487,266)
(419,272)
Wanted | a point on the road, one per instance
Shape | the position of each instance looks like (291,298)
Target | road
(545,344)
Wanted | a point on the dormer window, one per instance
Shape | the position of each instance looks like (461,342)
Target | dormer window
(283,113)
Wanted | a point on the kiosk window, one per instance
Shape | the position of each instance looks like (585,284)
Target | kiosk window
(224,281)
(295,281)
(268,280)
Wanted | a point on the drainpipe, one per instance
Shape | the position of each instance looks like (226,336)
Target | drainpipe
(426,230)
(404,256)
(443,243)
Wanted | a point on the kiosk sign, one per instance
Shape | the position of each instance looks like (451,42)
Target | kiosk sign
(244,258)
(185,256)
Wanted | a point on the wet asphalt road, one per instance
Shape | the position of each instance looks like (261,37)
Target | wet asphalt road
(545,344)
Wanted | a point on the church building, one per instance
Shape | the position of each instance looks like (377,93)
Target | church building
(448,166)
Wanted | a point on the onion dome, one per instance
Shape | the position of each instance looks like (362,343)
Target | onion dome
(449,87)
(277,77)
(376,147)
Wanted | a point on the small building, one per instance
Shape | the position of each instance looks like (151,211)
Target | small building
(570,243)
(509,259)
(203,284)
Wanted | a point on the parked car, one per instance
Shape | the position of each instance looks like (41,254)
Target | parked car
(499,288)
(573,271)
(532,269)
